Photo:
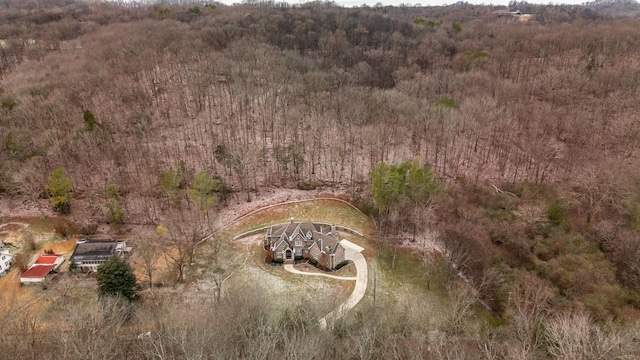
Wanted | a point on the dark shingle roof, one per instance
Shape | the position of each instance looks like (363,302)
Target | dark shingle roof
(93,249)
(329,240)
(307,226)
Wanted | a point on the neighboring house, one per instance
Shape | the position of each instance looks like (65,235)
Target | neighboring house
(91,253)
(505,12)
(5,260)
(43,266)
(306,241)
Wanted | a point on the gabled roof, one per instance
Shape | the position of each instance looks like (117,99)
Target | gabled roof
(38,271)
(307,226)
(328,240)
(281,236)
(282,246)
(94,249)
(278,230)
(47,259)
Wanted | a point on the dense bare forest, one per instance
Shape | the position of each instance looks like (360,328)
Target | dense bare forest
(531,126)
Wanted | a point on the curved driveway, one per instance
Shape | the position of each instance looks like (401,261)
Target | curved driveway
(351,252)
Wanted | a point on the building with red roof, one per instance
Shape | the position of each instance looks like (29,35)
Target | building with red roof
(49,259)
(44,265)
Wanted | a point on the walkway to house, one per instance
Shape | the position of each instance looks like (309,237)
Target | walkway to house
(351,252)
(291,269)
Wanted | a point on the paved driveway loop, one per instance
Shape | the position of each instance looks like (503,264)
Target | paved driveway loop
(351,252)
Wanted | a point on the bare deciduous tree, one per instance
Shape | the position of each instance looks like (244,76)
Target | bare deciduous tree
(576,336)
(462,298)
(184,232)
(147,255)
(529,310)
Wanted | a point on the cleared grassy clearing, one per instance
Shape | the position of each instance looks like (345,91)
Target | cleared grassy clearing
(400,282)
(319,210)
(245,258)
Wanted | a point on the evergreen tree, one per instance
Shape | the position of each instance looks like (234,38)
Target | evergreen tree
(89,120)
(400,185)
(116,277)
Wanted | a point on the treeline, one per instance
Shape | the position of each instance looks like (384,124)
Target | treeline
(628,8)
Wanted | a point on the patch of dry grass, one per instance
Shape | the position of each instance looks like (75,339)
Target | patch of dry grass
(320,210)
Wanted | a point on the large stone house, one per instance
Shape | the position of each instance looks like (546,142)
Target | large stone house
(305,240)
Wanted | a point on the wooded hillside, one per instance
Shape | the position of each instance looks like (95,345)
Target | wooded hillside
(264,96)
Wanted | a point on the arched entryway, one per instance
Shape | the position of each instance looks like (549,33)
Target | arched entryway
(288,255)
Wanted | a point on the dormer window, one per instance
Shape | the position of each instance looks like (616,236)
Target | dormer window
(309,235)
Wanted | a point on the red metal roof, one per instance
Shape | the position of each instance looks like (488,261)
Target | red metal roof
(37,271)
(47,259)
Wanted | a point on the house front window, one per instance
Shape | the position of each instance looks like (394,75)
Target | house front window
(298,252)
(298,243)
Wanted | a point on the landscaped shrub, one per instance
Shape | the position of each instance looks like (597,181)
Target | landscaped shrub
(298,257)
(342,264)
(278,261)
(313,262)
